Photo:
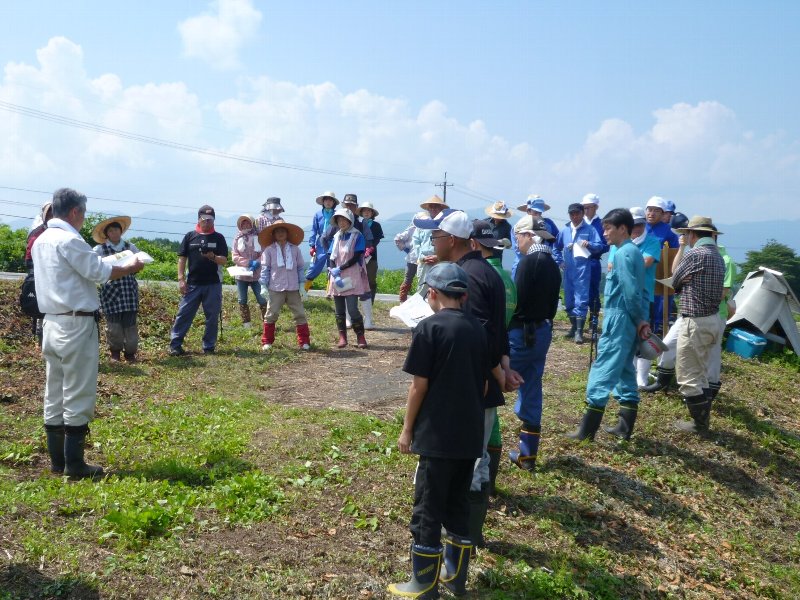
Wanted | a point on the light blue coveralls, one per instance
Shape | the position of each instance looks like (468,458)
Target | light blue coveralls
(577,271)
(625,306)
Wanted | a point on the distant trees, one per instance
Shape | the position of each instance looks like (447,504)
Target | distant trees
(776,256)
(12,249)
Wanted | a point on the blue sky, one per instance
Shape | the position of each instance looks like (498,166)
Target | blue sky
(695,102)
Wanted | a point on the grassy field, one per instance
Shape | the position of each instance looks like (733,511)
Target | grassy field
(246,475)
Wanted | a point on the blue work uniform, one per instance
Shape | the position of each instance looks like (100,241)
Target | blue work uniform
(594,267)
(649,247)
(320,224)
(625,306)
(577,270)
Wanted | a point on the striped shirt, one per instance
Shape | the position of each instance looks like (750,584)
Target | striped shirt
(699,279)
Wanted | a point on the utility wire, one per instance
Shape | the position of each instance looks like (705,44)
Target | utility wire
(89,126)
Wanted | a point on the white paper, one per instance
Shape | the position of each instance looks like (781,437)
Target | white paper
(126,257)
(578,251)
(412,311)
(239,272)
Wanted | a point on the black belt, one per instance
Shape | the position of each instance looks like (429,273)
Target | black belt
(75,313)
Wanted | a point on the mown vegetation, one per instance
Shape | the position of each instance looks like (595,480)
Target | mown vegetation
(247,475)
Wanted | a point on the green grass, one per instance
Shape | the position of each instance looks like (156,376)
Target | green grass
(220,488)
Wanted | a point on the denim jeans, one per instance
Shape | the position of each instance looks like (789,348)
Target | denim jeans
(529,363)
(243,286)
(210,296)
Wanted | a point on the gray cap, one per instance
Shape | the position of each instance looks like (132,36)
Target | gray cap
(447,277)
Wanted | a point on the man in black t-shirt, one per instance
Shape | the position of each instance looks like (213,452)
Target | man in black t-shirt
(206,252)
(449,360)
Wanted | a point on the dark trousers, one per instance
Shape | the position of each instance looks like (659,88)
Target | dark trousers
(441,499)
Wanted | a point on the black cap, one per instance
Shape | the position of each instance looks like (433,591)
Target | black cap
(482,233)
(350,199)
(575,207)
(206,212)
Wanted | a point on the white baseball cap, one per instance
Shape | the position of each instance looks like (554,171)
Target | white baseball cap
(452,221)
(638,215)
(591,199)
(657,202)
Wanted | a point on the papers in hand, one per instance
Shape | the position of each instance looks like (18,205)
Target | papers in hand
(239,272)
(578,251)
(126,257)
(412,311)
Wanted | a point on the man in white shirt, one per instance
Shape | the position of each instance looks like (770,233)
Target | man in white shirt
(67,273)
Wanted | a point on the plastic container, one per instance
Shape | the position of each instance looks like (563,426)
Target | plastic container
(745,343)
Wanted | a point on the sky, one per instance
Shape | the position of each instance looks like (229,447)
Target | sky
(164,106)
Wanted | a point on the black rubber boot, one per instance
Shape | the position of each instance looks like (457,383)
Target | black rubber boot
(75,467)
(589,424)
(55,447)
(455,566)
(478,506)
(714,387)
(627,417)
(571,333)
(581,321)
(700,410)
(425,567)
(495,452)
(663,380)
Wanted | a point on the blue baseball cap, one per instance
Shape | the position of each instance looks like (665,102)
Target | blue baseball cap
(447,277)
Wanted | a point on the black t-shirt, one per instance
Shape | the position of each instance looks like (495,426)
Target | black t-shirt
(538,281)
(449,349)
(201,270)
(500,230)
(486,301)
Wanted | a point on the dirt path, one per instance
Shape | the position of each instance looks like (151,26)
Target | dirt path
(372,381)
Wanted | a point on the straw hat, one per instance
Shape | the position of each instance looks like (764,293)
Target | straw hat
(498,210)
(369,206)
(698,223)
(534,202)
(265,238)
(330,195)
(99,231)
(242,218)
(433,200)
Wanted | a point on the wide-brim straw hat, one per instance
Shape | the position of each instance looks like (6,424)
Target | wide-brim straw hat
(295,233)
(698,223)
(330,195)
(498,210)
(242,218)
(369,206)
(435,201)
(99,231)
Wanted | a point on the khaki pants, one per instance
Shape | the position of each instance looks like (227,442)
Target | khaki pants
(696,339)
(292,300)
(71,353)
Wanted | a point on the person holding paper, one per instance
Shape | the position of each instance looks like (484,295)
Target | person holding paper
(67,272)
(119,298)
(348,276)
(205,251)
(572,251)
(246,254)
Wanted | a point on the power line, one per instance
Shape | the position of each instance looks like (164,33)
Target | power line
(89,126)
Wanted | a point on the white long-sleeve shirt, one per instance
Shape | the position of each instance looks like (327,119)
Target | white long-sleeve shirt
(67,270)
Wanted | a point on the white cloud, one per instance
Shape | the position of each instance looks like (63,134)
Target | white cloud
(217,36)
(699,155)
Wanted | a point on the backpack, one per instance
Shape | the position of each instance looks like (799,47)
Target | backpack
(27,297)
